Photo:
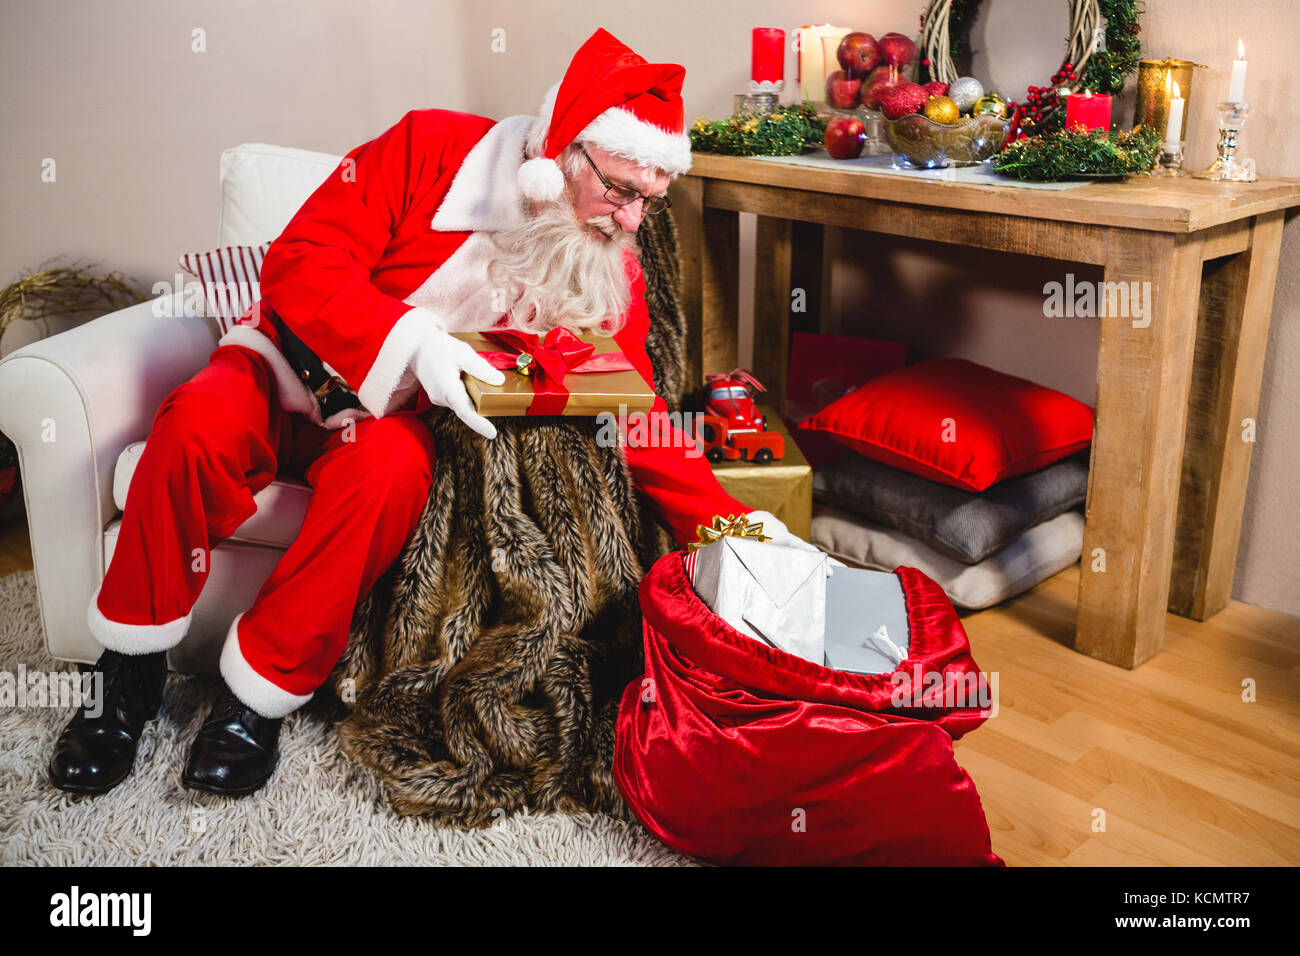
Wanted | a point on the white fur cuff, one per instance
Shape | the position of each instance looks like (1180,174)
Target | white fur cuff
(249,686)
(134,638)
(390,380)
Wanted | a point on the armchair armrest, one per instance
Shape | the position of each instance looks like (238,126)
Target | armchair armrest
(71,403)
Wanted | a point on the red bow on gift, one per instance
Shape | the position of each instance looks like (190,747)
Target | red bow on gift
(548,360)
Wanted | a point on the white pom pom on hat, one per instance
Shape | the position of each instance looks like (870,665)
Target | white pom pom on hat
(611,97)
(541,179)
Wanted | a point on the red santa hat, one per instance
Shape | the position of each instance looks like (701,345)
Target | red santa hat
(610,97)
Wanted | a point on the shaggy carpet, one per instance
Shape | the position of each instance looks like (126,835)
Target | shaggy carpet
(318,808)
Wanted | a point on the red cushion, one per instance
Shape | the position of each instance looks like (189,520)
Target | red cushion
(824,368)
(957,422)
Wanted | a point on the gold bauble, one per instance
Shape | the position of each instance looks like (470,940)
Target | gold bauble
(942,109)
(991,103)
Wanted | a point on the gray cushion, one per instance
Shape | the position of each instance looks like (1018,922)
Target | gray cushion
(1036,555)
(966,526)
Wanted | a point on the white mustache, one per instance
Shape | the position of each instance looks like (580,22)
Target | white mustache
(607,225)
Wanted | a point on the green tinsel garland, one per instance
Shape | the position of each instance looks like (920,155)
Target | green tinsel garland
(1050,157)
(787,131)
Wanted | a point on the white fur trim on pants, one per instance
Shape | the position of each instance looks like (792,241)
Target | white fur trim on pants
(134,638)
(249,686)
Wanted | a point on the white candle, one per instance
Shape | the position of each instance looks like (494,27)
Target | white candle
(1174,128)
(1237,87)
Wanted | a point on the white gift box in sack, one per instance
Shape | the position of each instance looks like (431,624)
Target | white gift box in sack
(780,595)
(773,593)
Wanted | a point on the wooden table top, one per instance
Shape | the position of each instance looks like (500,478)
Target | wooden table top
(1183,204)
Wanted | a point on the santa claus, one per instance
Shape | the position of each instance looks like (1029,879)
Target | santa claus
(446,222)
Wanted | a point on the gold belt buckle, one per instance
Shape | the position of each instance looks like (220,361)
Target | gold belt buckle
(329,386)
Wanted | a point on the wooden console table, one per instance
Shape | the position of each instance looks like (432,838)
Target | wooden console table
(1169,463)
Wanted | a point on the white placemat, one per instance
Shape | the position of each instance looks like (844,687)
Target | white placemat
(982,175)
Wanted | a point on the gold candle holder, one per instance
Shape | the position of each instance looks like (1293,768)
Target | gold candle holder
(1153,92)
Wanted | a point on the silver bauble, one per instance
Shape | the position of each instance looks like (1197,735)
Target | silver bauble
(965,90)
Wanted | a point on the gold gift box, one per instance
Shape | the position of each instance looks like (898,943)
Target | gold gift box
(590,393)
(783,486)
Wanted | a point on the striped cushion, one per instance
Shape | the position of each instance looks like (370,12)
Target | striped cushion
(231,278)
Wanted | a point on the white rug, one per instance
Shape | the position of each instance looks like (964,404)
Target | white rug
(318,808)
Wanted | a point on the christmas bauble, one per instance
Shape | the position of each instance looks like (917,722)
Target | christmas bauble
(941,109)
(992,103)
(965,90)
(903,99)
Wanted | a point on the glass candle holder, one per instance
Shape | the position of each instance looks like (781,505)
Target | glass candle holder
(1170,160)
(1155,81)
(1227,168)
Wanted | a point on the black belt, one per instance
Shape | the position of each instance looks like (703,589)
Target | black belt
(333,395)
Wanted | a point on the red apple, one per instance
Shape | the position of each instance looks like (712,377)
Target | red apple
(858,54)
(896,49)
(874,87)
(845,136)
(842,90)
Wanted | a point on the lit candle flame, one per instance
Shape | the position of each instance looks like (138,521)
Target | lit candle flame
(1177,93)
(1241,49)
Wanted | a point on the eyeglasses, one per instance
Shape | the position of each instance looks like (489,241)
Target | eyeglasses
(624,196)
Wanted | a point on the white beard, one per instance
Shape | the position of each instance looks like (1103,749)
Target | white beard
(551,270)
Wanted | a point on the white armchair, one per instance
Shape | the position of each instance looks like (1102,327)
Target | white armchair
(79,406)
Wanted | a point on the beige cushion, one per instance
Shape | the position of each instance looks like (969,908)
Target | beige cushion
(1037,554)
(281,505)
(262,186)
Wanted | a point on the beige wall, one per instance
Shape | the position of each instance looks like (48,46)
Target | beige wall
(135,120)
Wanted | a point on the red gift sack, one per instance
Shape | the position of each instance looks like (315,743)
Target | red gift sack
(736,752)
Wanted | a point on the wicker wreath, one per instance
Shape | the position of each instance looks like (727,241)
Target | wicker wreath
(1088,63)
(1085,18)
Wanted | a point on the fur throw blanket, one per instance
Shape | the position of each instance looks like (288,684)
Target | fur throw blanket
(484,669)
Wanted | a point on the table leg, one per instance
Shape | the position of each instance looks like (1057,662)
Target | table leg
(1231,338)
(709,244)
(773,244)
(1143,369)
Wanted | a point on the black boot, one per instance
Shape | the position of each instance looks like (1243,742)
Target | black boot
(235,751)
(95,754)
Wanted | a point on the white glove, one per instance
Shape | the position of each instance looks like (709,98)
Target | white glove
(775,529)
(438,363)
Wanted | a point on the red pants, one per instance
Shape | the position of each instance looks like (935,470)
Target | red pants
(216,441)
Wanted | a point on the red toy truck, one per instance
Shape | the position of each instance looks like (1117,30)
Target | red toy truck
(731,427)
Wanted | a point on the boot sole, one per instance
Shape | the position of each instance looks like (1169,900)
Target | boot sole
(191,784)
(84,789)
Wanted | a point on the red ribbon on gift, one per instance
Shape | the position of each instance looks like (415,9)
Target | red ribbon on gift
(554,356)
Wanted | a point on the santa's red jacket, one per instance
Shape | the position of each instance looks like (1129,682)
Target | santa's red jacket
(396,242)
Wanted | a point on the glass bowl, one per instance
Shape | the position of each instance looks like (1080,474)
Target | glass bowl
(920,142)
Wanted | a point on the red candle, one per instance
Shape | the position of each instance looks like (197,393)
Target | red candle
(1088,111)
(768,61)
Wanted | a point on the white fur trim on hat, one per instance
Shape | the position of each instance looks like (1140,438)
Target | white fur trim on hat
(625,134)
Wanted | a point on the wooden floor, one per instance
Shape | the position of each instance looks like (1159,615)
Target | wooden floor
(1184,770)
